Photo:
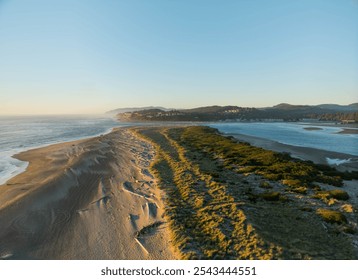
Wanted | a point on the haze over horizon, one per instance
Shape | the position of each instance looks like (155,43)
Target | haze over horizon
(77,57)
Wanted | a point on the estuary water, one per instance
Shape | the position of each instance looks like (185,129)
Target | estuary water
(324,137)
(19,134)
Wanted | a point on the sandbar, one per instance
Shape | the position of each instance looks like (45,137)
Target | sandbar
(348,131)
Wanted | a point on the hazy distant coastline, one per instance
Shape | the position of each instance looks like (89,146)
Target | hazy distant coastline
(282,112)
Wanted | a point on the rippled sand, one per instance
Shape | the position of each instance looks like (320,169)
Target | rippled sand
(86,199)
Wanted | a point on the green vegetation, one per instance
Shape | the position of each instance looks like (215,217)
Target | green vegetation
(337,116)
(331,216)
(229,200)
(333,194)
(271,165)
(271,196)
(265,185)
(205,219)
(218,113)
(348,208)
(295,186)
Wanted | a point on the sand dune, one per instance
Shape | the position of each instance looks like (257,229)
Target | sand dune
(86,199)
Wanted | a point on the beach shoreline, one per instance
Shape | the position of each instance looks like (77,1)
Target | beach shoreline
(318,156)
(19,166)
(85,199)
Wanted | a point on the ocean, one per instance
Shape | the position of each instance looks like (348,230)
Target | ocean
(19,134)
(295,134)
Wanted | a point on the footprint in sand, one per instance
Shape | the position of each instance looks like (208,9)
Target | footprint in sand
(128,186)
(146,173)
(102,200)
(133,218)
(152,209)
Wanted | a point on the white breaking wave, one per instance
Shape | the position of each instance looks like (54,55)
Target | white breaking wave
(19,134)
(337,161)
(10,167)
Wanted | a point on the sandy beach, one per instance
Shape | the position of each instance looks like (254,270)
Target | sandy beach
(87,199)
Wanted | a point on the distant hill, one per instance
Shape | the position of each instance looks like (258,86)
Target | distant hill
(283,112)
(326,107)
(134,109)
(211,109)
(286,106)
(340,108)
(202,114)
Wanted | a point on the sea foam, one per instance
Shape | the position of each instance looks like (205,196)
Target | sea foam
(10,167)
(337,161)
(19,134)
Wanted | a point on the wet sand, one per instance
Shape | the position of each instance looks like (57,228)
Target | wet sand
(348,131)
(312,128)
(85,199)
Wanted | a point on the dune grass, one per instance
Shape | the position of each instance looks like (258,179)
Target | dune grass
(204,202)
(205,220)
(271,165)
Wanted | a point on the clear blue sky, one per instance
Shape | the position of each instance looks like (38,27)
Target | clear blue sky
(89,56)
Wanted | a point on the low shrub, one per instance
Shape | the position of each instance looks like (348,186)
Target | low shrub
(349,229)
(300,190)
(271,196)
(291,183)
(348,208)
(339,194)
(265,185)
(335,194)
(331,216)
